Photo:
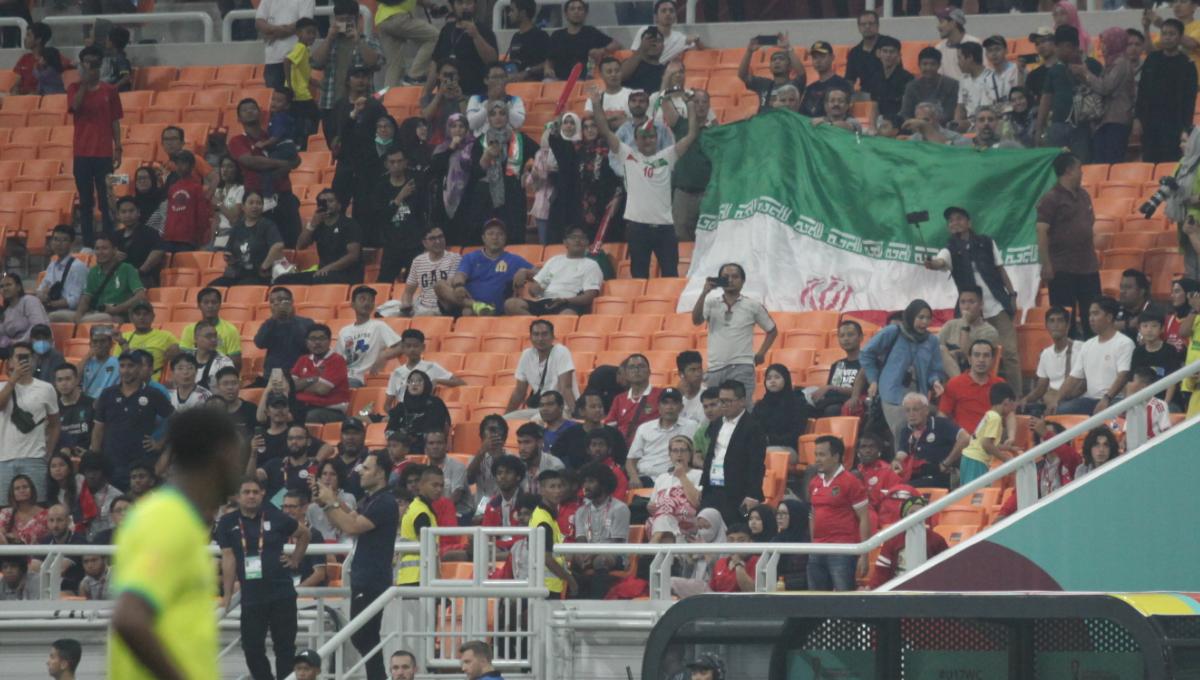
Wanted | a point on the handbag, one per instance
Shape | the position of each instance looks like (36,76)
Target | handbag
(1087,106)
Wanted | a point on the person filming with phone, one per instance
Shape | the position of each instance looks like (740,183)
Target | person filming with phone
(339,245)
(470,43)
(731,319)
(29,408)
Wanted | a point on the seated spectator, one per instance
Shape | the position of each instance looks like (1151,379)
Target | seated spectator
(187,394)
(1099,373)
(209,359)
(16,583)
(20,313)
(572,499)
(499,508)
(420,412)
(208,301)
(735,573)
(1134,296)
(64,486)
(37,35)
(782,65)
(637,405)
(117,510)
(966,397)
(576,43)
(115,68)
(141,245)
(791,521)
(253,247)
(22,520)
(62,286)
(529,449)
(990,441)
(599,450)
(1154,354)
(875,473)
(485,277)
(1054,361)
(649,454)
(783,412)
(45,358)
(1099,447)
(493,431)
(189,212)
(675,43)
(172,142)
(888,80)
(565,284)
(478,106)
(456,488)
(146,373)
(283,335)
(339,245)
(839,515)
(412,346)
(367,344)
(614,100)
(435,265)
(161,344)
(331,473)
(551,415)
(601,519)
(813,103)
(890,562)
(837,112)
(828,399)
(887,369)
(925,443)
(148,195)
(321,379)
(49,72)
(142,479)
(95,471)
(1155,413)
(785,97)
(644,68)
(542,367)
(1182,315)
(96,574)
(761,520)
(1056,468)
(572,445)
(399,212)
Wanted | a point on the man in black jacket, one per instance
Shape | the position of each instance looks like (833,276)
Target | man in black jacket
(355,116)
(735,462)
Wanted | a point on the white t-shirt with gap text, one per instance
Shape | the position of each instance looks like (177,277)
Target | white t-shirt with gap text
(648,184)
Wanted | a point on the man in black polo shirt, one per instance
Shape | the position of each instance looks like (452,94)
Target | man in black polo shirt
(252,541)
(374,527)
(126,417)
(339,242)
(929,440)
(470,43)
(813,104)
(577,43)
(293,470)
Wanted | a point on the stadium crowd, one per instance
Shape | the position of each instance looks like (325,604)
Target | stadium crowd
(732,444)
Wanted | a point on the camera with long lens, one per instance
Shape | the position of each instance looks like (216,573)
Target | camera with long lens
(1166,187)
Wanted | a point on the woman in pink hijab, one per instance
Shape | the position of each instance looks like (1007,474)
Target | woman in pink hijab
(1116,85)
(1065,14)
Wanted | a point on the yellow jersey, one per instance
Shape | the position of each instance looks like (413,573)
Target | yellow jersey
(301,73)
(229,338)
(155,341)
(990,427)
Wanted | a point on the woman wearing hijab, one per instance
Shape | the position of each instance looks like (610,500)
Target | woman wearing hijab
(1065,14)
(1178,330)
(791,518)
(450,172)
(903,358)
(585,182)
(783,411)
(498,161)
(413,135)
(20,313)
(694,570)
(543,178)
(761,520)
(420,411)
(1183,204)
(369,167)
(1116,85)
(1018,122)
(149,197)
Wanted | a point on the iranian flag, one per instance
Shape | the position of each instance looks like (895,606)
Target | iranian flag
(817,215)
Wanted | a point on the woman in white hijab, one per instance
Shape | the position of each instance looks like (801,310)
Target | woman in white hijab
(1183,205)
(695,570)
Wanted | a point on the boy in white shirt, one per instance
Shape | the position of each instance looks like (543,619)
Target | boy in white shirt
(368,343)
(614,100)
(566,284)
(1103,364)
(412,345)
(1056,361)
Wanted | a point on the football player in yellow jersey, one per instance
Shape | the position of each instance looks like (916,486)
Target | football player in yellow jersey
(164,625)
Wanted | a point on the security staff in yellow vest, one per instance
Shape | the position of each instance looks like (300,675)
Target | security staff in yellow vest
(418,516)
(541,514)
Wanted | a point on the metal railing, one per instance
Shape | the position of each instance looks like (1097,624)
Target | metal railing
(913,526)
(689,14)
(15,21)
(327,10)
(205,20)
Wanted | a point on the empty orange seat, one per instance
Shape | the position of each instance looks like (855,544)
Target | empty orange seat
(642,323)
(1131,172)
(654,304)
(611,305)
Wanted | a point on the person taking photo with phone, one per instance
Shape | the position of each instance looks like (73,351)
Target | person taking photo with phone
(731,319)
(339,245)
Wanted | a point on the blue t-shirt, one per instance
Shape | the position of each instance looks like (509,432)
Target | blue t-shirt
(490,280)
(99,375)
(281,126)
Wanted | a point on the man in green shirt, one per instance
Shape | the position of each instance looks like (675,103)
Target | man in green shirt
(690,178)
(113,287)
(710,400)
(209,302)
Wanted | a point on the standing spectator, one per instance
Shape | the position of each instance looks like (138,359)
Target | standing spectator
(400,28)
(419,515)
(115,69)
(498,165)
(468,40)
(97,112)
(127,417)
(530,44)
(965,400)
(839,515)
(1043,42)
(140,245)
(375,529)
(37,35)
(902,358)
(1117,85)
(450,170)
(929,86)
(675,43)
(576,43)
(75,435)
(1166,96)
(644,69)
(585,180)
(208,300)
(863,61)
(255,164)
(1066,247)
(442,100)
(649,454)
(321,380)
(284,335)
(992,437)
(828,399)
(1055,361)
(735,462)
(888,82)
(331,473)
(311,572)
(479,106)
(435,265)
(20,312)
(297,78)
(30,425)
(692,170)
(1185,13)
(252,540)
(1099,373)
(975,263)
(731,319)
(189,212)
(400,215)
(275,21)
(329,56)
(339,245)
(253,246)
(813,103)
(783,63)
(783,412)
(640,403)
(572,445)
(978,86)
(367,344)
(601,519)
(615,97)
(100,366)
(359,157)
(566,284)
(951,28)
(60,289)
(505,472)
(485,277)
(639,118)
(529,449)
(995,48)
(1056,112)
(171,142)
(1134,296)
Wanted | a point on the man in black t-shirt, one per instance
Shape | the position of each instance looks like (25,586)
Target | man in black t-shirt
(577,43)
(244,413)
(571,447)
(294,469)
(813,104)
(1043,40)
(783,63)
(643,70)
(374,525)
(252,541)
(472,45)
(530,45)
(74,412)
(270,443)
(311,572)
(1155,354)
(828,399)
(141,245)
(339,242)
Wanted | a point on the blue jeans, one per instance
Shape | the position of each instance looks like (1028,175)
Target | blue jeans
(659,239)
(90,173)
(1079,406)
(832,572)
(34,468)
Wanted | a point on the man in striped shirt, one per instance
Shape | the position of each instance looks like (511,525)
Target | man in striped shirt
(434,265)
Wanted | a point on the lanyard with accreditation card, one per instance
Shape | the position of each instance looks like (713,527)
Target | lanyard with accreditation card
(252,563)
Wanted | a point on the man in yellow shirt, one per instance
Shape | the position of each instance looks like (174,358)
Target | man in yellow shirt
(297,73)
(209,302)
(988,441)
(164,623)
(161,345)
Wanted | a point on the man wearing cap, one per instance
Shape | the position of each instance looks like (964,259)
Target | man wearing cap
(367,344)
(977,87)
(643,70)
(1035,80)
(675,43)
(113,286)
(339,242)
(813,104)
(1054,117)
(707,666)
(485,277)
(995,49)
(208,301)
(126,416)
(887,81)
(929,86)
(99,368)
(649,455)
(950,27)
(161,344)
(862,61)
(307,665)
(783,63)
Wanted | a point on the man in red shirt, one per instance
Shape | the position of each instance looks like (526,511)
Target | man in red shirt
(839,515)
(96,108)
(599,452)
(321,379)
(735,573)
(36,38)
(876,473)
(253,162)
(966,399)
(890,562)
(189,212)
(501,509)
(638,405)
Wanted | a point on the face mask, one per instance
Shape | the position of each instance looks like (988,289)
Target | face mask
(41,346)
(381,141)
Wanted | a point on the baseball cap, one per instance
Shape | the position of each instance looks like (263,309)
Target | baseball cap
(277,400)
(995,40)
(495,221)
(142,306)
(310,657)
(672,394)
(953,14)
(821,47)
(353,424)
(363,289)
(954,209)
(1041,33)
(354,71)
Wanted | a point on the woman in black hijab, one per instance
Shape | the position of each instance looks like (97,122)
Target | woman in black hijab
(783,411)
(419,412)
(792,519)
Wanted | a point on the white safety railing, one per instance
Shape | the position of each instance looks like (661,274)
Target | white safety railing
(913,526)
(689,14)
(15,21)
(203,18)
(243,14)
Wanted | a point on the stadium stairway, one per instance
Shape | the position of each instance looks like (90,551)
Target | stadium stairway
(1121,528)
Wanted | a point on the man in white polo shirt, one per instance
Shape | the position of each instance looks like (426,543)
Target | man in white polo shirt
(731,319)
(650,455)
(275,21)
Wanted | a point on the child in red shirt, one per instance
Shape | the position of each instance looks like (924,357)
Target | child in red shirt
(735,573)
(875,473)
(890,562)
(189,212)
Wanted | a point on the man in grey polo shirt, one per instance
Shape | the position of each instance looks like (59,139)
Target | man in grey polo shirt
(731,318)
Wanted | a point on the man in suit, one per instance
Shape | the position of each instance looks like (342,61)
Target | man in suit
(735,462)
